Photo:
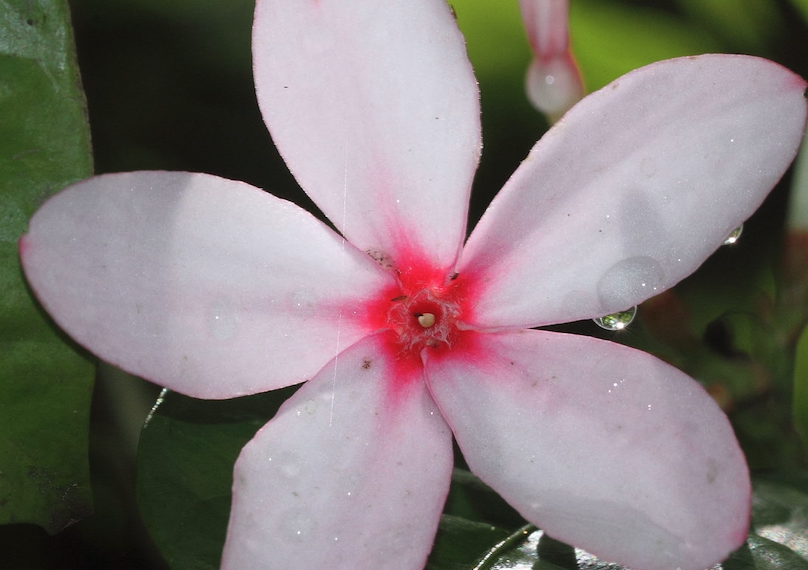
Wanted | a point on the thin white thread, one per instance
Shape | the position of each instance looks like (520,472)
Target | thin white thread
(342,261)
(160,398)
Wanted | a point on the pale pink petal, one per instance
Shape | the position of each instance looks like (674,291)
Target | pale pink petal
(210,287)
(634,188)
(351,473)
(375,109)
(602,446)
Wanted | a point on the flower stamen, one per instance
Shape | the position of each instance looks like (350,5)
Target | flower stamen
(426,320)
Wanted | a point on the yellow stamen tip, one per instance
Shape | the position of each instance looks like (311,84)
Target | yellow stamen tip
(426,320)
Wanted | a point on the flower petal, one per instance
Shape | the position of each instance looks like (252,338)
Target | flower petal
(602,446)
(351,473)
(634,188)
(374,107)
(210,287)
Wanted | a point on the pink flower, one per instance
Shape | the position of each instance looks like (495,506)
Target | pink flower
(553,81)
(405,335)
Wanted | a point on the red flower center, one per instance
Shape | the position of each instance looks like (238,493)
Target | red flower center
(424,317)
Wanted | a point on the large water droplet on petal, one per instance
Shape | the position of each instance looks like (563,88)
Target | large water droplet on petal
(617,321)
(734,236)
(630,281)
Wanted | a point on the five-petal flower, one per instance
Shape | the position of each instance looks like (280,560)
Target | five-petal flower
(406,336)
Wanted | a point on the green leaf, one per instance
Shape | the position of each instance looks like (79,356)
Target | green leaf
(460,543)
(185,471)
(780,515)
(45,385)
(471,499)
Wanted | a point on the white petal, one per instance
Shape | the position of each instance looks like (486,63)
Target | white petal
(210,287)
(375,109)
(602,446)
(351,473)
(634,188)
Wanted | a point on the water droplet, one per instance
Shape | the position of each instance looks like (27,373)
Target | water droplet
(630,281)
(553,86)
(309,408)
(734,236)
(617,321)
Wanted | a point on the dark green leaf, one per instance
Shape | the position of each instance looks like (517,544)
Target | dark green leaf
(780,515)
(471,499)
(185,471)
(45,386)
(461,543)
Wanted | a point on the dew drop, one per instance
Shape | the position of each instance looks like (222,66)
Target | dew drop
(630,281)
(734,236)
(617,321)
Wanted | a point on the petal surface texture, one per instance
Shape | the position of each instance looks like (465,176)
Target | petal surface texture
(374,107)
(351,474)
(209,287)
(634,188)
(602,446)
